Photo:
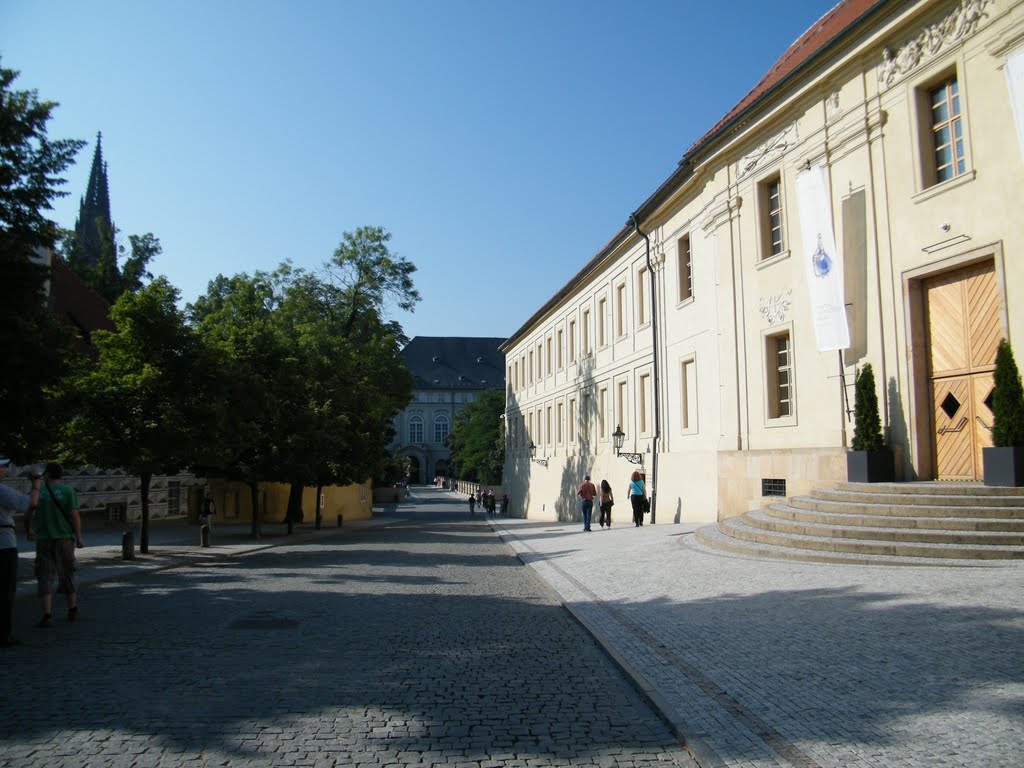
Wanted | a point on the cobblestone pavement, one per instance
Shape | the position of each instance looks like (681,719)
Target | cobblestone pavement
(419,640)
(761,663)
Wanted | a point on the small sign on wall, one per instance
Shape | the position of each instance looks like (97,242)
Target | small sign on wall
(323,499)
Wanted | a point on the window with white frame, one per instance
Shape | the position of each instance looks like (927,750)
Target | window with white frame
(558,352)
(688,394)
(602,315)
(549,361)
(572,341)
(586,332)
(559,421)
(947,134)
(573,420)
(620,310)
(441,426)
(621,393)
(547,425)
(779,366)
(540,359)
(684,263)
(772,235)
(416,429)
(602,411)
(641,296)
(531,367)
(644,406)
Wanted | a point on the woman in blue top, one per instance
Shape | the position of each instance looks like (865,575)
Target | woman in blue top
(636,498)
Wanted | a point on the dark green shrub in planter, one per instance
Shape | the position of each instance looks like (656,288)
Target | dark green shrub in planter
(1004,463)
(869,461)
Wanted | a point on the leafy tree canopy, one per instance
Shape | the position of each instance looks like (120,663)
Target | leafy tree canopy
(477,440)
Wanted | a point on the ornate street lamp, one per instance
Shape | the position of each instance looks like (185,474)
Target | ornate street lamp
(533,453)
(618,436)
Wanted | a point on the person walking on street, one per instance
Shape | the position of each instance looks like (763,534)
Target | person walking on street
(605,505)
(11,502)
(207,510)
(504,504)
(636,498)
(587,491)
(56,528)
(472,503)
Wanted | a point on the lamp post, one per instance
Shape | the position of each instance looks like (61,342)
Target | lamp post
(618,436)
(533,453)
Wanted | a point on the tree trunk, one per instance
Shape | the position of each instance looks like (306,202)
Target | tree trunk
(319,514)
(145,479)
(294,513)
(257,531)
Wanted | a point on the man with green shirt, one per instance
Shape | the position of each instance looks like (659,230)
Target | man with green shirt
(57,529)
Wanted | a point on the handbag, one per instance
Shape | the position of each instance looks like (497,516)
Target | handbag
(647,505)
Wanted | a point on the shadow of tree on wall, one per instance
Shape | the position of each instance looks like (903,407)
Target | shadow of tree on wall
(898,436)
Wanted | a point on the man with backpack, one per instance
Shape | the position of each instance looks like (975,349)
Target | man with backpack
(56,528)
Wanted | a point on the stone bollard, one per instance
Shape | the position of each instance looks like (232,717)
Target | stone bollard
(339,521)
(128,545)
(204,535)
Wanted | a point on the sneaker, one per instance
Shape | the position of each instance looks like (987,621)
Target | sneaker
(72,613)
(45,622)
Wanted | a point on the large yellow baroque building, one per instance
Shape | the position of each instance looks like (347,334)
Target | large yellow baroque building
(860,205)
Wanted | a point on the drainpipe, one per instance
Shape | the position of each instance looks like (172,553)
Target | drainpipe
(654,356)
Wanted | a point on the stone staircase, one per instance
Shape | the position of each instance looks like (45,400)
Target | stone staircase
(942,524)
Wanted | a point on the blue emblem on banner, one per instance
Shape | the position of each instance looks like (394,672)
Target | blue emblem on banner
(820,260)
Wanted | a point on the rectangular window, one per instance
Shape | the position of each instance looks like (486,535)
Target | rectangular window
(586,332)
(773,486)
(780,375)
(540,360)
(549,360)
(641,296)
(602,314)
(572,341)
(688,394)
(602,409)
(559,420)
(572,420)
(645,403)
(684,262)
(947,131)
(771,217)
(511,381)
(620,309)
(558,353)
(531,367)
(547,425)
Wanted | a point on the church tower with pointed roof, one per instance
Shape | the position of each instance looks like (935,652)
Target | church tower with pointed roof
(94,230)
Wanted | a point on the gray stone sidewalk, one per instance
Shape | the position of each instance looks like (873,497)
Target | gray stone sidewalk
(761,663)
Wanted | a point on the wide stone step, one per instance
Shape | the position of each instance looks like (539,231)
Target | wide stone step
(765,520)
(932,488)
(909,506)
(847,518)
(711,540)
(741,528)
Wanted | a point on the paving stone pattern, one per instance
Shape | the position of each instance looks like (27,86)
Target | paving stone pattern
(420,641)
(764,663)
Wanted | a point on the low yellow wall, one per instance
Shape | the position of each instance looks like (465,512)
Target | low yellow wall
(234,504)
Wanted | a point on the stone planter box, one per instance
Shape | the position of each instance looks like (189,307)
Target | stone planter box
(1003,466)
(870,466)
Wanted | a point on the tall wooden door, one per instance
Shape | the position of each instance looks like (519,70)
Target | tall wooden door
(964,331)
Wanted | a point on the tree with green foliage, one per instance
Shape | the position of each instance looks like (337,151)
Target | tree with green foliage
(867,429)
(36,349)
(148,400)
(1007,400)
(477,440)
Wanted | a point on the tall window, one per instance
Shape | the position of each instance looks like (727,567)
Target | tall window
(440,429)
(620,309)
(947,131)
(549,360)
(416,429)
(645,403)
(586,332)
(540,363)
(559,419)
(620,404)
(688,394)
(558,352)
(572,341)
(771,210)
(572,420)
(780,375)
(547,425)
(602,410)
(531,366)
(685,264)
(641,296)
(602,314)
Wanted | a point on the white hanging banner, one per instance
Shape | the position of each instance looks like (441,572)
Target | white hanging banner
(1014,70)
(821,261)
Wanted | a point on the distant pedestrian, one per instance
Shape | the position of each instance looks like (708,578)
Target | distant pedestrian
(207,510)
(57,529)
(637,497)
(472,503)
(606,501)
(504,504)
(587,491)
(11,502)
(492,502)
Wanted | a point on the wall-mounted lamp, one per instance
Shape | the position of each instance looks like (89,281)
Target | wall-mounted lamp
(533,453)
(618,436)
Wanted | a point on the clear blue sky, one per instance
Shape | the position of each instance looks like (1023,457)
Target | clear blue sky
(501,142)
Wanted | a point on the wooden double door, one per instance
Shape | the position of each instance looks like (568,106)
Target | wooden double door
(963,318)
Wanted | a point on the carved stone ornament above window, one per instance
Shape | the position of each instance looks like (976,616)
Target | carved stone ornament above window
(775,147)
(774,308)
(959,23)
(832,109)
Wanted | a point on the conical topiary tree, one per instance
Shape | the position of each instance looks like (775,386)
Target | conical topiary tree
(867,428)
(1007,400)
